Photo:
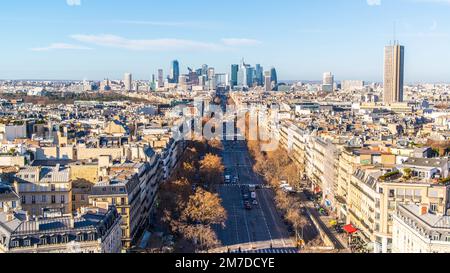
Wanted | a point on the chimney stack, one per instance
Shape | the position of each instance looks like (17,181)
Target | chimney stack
(424,209)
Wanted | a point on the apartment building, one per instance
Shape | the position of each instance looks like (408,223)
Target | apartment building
(92,231)
(416,230)
(131,187)
(44,188)
(375,194)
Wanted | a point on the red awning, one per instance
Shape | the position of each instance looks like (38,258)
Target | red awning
(350,229)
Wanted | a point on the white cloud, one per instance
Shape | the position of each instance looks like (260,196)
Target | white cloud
(73,2)
(167,44)
(373,2)
(146,44)
(61,46)
(240,42)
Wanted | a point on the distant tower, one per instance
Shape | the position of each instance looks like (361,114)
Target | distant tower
(273,75)
(160,78)
(394,57)
(267,81)
(175,72)
(328,82)
(128,80)
(259,70)
(234,75)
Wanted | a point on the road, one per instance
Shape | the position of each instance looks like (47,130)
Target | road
(259,228)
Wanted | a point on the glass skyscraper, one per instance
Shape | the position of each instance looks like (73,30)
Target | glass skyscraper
(273,75)
(259,75)
(175,72)
(234,75)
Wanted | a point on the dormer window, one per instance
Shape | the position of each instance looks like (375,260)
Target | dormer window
(15,243)
(43,241)
(54,239)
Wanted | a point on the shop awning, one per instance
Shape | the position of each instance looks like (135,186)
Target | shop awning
(350,229)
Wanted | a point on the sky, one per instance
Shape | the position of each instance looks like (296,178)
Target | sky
(97,39)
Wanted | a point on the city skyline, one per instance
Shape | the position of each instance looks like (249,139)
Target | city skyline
(76,42)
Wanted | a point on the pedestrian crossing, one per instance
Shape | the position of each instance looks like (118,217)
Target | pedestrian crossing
(268,251)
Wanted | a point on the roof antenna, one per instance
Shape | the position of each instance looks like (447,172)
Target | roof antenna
(395,33)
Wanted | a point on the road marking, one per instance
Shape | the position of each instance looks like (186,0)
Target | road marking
(273,218)
(236,223)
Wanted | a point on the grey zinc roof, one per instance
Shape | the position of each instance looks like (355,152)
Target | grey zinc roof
(7,194)
(427,162)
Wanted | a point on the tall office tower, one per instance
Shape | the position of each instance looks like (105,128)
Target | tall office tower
(250,76)
(205,70)
(394,58)
(234,75)
(201,80)
(267,81)
(259,74)
(128,81)
(160,78)
(274,76)
(242,74)
(175,72)
(211,73)
(328,82)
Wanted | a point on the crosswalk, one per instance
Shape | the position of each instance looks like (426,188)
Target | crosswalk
(268,251)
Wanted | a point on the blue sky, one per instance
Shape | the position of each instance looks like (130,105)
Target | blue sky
(95,39)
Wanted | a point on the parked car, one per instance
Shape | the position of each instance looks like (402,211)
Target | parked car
(247,205)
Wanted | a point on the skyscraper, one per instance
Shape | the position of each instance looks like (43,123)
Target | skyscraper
(250,76)
(175,72)
(394,57)
(234,75)
(259,74)
(128,81)
(267,81)
(273,75)
(328,82)
(160,78)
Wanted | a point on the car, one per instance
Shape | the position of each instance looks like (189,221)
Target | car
(247,205)
(255,202)
(246,196)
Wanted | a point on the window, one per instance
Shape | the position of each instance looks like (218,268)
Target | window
(15,243)
(122,201)
(53,188)
(83,197)
(80,237)
(43,241)
(63,199)
(391,193)
(53,199)
(33,199)
(27,242)
(44,198)
(436,237)
(433,207)
(92,237)
(74,198)
(65,239)
(24,199)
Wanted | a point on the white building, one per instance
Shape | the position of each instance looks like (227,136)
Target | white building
(416,230)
